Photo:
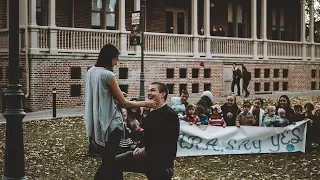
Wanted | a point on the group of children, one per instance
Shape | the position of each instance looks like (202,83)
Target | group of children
(230,114)
(133,135)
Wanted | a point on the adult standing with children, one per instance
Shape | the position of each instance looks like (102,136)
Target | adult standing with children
(246,77)
(236,76)
(103,102)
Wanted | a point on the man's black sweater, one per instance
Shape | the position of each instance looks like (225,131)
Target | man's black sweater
(161,132)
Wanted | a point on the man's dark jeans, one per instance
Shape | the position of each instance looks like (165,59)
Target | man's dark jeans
(245,88)
(109,153)
(126,162)
(235,82)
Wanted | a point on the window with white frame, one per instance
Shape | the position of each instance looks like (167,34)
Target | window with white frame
(176,21)
(278,24)
(282,26)
(42,12)
(240,23)
(231,24)
(274,24)
(103,14)
(236,25)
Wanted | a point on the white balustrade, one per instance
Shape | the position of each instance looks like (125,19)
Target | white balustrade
(168,44)
(317,51)
(130,49)
(43,38)
(4,40)
(85,40)
(202,46)
(260,48)
(79,40)
(231,47)
(284,49)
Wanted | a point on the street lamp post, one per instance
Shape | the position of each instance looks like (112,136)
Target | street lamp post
(142,29)
(14,168)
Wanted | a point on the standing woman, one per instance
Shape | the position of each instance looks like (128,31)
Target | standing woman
(103,102)
(284,102)
(246,77)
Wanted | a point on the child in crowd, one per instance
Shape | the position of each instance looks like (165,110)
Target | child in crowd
(271,119)
(126,142)
(245,118)
(284,120)
(191,116)
(230,110)
(297,116)
(316,126)
(309,107)
(257,111)
(216,118)
(134,114)
(136,132)
(202,116)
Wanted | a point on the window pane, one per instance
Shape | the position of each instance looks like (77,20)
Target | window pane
(231,29)
(97,5)
(239,14)
(282,18)
(111,20)
(111,5)
(180,20)
(40,3)
(95,19)
(230,13)
(169,22)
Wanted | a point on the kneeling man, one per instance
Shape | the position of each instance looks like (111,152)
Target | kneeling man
(156,158)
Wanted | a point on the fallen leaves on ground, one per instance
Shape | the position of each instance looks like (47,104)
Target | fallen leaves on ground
(56,149)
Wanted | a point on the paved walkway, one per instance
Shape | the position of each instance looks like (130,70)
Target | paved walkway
(47,114)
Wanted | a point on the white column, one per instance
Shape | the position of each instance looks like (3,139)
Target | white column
(22,13)
(137,8)
(303,29)
(22,21)
(311,29)
(254,28)
(195,28)
(52,25)
(33,43)
(122,27)
(207,27)
(263,28)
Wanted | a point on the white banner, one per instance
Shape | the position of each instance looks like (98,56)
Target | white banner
(210,140)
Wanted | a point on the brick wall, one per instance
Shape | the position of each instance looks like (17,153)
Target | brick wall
(49,72)
(4,63)
(156,16)
(63,13)
(82,14)
(3,14)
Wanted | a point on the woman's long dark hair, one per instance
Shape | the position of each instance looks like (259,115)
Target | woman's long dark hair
(287,98)
(107,53)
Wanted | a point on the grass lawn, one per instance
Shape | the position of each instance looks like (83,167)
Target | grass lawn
(56,149)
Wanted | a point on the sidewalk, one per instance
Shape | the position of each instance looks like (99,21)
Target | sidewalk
(47,114)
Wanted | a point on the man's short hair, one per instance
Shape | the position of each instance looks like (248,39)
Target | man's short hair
(183,91)
(162,88)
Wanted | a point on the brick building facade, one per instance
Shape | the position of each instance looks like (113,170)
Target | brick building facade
(63,65)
